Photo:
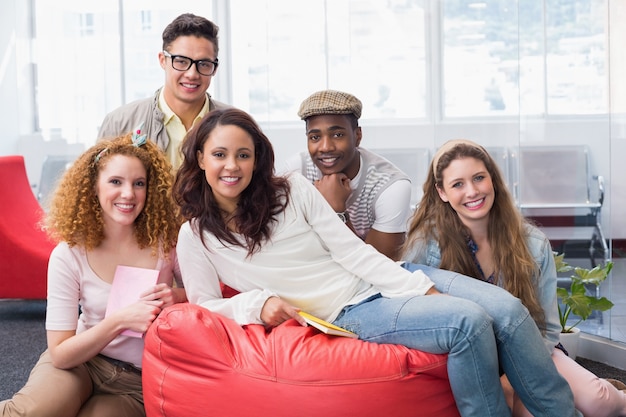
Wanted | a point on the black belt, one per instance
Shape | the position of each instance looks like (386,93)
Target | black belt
(125,366)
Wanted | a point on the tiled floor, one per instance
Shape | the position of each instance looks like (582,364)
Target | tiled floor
(610,324)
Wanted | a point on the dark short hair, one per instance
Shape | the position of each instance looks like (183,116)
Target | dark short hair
(189,24)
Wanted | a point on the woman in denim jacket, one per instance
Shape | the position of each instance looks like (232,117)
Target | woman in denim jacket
(467,222)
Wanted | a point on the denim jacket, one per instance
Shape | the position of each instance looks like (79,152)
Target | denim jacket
(428,253)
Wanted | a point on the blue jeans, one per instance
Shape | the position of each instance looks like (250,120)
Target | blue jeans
(481,327)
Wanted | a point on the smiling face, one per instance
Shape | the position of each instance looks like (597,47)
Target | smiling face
(467,187)
(227,159)
(186,87)
(332,142)
(121,189)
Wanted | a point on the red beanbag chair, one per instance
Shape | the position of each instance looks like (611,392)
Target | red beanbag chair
(200,363)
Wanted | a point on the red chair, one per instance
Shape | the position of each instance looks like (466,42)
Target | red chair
(24,246)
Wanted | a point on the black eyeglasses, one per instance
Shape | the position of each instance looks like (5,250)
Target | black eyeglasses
(183,63)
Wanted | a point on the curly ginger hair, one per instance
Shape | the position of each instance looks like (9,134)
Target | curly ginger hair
(75,215)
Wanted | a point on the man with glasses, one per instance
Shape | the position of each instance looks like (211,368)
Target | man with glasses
(370,194)
(189,59)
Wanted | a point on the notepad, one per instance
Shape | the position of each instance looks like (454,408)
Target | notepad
(128,284)
(327,327)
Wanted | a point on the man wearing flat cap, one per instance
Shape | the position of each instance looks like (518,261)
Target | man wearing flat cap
(370,194)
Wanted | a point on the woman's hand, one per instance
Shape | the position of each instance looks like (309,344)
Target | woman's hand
(140,315)
(433,291)
(68,349)
(168,295)
(275,311)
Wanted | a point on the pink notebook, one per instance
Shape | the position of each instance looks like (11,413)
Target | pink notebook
(128,284)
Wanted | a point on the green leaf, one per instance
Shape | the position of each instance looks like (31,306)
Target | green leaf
(600,304)
(562,292)
(593,276)
(561,265)
(575,299)
(580,305)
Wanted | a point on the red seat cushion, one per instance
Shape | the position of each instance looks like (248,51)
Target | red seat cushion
(201,363)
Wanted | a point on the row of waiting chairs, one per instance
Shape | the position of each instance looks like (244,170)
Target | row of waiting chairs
(546,181)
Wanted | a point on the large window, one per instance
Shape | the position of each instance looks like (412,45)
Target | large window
(91,57)
(546,57)
(407,60)
(284,50)
(480,58)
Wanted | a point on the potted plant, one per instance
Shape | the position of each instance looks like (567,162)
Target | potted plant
(576,301)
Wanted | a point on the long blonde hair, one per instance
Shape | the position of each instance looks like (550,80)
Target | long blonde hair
(435,219)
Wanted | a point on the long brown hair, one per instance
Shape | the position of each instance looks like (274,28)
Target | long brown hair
(264,198)
(435,219)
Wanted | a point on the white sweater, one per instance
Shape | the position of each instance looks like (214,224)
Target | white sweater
(312,261)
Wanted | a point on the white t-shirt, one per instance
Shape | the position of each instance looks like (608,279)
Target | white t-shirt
(390,209)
